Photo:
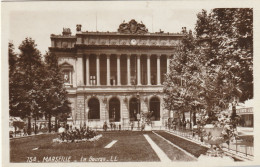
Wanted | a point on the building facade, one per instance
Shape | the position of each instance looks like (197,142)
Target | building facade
(115,76)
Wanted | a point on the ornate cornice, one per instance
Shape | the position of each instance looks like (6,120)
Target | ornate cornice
(83,46)
(55,49)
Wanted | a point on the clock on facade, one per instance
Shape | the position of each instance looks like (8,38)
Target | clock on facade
(133,42)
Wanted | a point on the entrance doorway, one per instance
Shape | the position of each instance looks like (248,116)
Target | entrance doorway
(155,108)
(94,109)
(134,109)
(114,110)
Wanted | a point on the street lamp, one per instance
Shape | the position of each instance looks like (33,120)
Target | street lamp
(138,110)
(105,103)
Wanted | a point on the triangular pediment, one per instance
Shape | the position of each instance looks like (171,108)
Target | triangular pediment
(66,64)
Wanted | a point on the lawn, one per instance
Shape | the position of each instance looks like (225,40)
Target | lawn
(131,146)
(172,152)
(190,147)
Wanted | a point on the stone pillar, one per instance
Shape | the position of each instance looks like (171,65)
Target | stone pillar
(98,70)
(71,78)
(158,70)
(118,70)
(138,70)
(128,70)
(168,64)
(79,71)
(80,109)
(87,70)
(108,70)
(149,69)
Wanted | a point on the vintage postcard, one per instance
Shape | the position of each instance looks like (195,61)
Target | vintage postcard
(112,83)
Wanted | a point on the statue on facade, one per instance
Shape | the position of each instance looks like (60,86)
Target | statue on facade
(123,28)
(78,27)
(132,27)
(66,31)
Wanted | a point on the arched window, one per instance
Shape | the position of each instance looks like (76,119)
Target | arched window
(114,110)
(155,108)
(134,108)
(93,109)
(67,69)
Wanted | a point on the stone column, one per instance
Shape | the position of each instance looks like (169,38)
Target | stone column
(79,71)
(118,70)
(108,70)
(80,109)
(158,70)
(128,70)
(168,64)
(87,70)
(148,69)
(98,70)
(138,70)
(71,77)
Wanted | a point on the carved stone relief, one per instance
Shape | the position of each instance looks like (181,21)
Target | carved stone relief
(132,27)
(153,42)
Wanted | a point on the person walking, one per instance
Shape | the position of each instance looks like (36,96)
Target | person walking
(132,126)
(111,126)
(105,126)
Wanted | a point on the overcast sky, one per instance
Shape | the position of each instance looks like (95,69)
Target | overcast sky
(39,20)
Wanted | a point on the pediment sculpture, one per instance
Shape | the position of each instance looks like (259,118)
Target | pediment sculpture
(132,27)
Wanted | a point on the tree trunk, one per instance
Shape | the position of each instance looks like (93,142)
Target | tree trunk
(35,130)
(190,119)
(56,124)
(49,123)
(194,119)
(233,115)
(29,126)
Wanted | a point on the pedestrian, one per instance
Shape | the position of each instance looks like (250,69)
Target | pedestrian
(119,127)
(142,126)
(105,126)
(132,126)
(24,131)
(184,124)
(111,126)
(114,125)
(188,125)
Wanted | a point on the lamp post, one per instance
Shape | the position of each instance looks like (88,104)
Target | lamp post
(138,110)
(105,103)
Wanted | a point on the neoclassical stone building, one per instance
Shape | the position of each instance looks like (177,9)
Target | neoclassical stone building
(114,76)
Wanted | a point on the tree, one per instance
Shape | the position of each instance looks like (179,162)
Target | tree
(225,41)
(233,33)
(218,67)
(25,95)
(56,100)
(12,59)
(181,85)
